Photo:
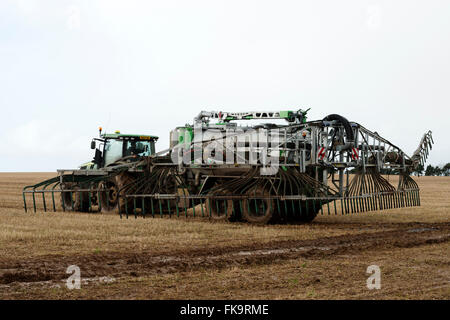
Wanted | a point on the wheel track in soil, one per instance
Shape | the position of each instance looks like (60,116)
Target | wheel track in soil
(119,264)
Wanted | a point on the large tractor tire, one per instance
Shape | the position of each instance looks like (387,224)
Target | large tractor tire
(74,200)
(108,197)
(122,181)
(111,201)
(258,211)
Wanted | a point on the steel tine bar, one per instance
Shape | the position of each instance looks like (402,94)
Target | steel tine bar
(152,207)
(34,200)
(53,196)
(160,208)
(201,207)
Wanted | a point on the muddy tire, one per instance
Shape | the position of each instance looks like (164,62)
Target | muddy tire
(108,197)
(258,211)
(219,210)
(122,180)
(74,200)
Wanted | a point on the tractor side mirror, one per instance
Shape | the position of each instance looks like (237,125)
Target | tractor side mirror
(93,144)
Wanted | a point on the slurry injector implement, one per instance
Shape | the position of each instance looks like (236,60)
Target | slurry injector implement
(219,167)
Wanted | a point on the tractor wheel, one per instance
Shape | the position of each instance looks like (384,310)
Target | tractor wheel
(258,211)
(123,180)
(74,200)
(108,196)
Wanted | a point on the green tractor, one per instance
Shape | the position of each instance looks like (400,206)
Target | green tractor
(97,183)
(117,148)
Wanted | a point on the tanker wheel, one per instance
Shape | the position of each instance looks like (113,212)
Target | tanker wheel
(219,209)
(74,200)
(108,196)
(258,211)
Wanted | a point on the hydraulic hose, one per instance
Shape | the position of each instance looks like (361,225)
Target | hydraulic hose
(347,127)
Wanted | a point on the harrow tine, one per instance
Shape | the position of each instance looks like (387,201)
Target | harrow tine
(160,208)
(240,205)
(90,200)
(294,212)
(225,208)
(209,206)
(176,207)
(34,200)
(151,206)
(43,201)
(201,207)
(168,208)
(143,207)
(53,196)
(300,208)
(24,202)
(348,204)
(99,200)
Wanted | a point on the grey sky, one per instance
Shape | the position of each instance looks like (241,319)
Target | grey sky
(67,67)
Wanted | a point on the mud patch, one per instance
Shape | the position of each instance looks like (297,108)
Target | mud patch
(11,276)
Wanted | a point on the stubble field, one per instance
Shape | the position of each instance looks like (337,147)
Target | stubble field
(181,258)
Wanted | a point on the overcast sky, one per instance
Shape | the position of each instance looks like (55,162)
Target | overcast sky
(67,67)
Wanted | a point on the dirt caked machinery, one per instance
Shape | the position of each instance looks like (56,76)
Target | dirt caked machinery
(225,167)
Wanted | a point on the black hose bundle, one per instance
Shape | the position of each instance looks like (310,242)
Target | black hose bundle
(344,122)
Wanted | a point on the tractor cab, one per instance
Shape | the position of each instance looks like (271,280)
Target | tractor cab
(116,146)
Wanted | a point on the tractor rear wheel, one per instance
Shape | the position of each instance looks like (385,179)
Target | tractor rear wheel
(108,196)
(122,181)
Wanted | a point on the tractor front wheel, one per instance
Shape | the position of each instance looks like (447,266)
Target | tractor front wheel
(74,200)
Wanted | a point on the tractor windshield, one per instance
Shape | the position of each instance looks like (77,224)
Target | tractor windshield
(119,148)
(113,150)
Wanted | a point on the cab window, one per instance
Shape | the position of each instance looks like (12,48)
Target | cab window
(139,148)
